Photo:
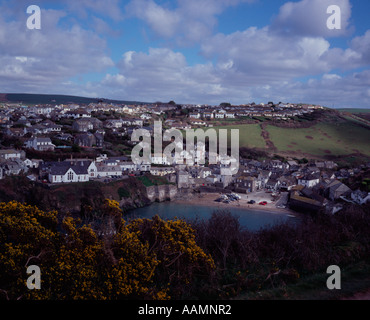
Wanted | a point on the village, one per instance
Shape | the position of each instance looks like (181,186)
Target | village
(102,131)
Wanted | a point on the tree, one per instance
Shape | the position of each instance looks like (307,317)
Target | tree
(76,148)
(225,104)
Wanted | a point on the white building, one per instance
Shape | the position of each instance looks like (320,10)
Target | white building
(219,115)
(162,171)
(309,180)
(40,144)
(10,154)
(162,160)
(230,115)
(72,171)
(108,171)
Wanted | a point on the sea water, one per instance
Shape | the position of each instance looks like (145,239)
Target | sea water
(252,220)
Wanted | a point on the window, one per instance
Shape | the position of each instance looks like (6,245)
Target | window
(70,176)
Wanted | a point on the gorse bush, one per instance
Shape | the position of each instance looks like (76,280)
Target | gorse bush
(142,259)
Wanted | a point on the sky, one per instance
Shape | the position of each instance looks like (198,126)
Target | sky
(190,51)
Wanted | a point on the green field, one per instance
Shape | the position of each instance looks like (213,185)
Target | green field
(358,110)
(323,139)
(249,135)
(337,138)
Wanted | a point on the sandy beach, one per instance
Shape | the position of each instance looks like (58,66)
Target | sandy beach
(208,199)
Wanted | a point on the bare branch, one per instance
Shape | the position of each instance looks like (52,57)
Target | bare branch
(6,293)
(174,260)
(36,257)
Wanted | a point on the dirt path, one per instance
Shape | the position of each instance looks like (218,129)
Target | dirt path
(266,136)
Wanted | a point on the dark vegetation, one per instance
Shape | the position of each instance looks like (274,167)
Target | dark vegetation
(277,257)
(156,259)
(253,153)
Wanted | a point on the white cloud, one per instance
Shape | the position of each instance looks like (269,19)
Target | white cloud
(361,45)
(50,55)
(82,8)
(331,76)
(190,22)
(309,18)
(262,56)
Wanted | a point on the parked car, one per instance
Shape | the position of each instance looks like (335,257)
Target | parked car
(234,196)
(263,203)
(251,202)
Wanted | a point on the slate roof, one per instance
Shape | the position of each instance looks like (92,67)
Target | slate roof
(61,168)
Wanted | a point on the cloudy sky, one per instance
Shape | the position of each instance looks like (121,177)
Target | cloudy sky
(189,51)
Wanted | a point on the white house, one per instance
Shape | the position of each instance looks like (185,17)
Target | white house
(219,115)
(213,178)
(309,180)
(77,114)
(195,115)
(162,171)
(40,144)
(28,163)
(197,122)
(72,171)
(114,123)
(45,110)
(127,166)
(208,115)
(205,172)
(161,159)
(104,170)
(145,116)
(360,197)
(10,154)
(230,115)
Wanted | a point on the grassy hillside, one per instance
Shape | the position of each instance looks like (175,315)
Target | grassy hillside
(354,110)
(250,135)
(322,139)
(331,136)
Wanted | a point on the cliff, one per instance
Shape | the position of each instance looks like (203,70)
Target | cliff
(161,193)
(130,193)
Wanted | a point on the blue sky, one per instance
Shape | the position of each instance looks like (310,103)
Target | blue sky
(189,51)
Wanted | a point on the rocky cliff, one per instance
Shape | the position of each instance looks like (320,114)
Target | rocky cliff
(130,193)
(161,193)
